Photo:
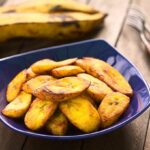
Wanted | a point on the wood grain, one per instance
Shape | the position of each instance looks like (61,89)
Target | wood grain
(10,139)
(147,140)
(137,53)
(38,144)
(116,14)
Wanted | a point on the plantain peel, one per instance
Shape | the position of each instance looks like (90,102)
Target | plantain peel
(19,106)
(62,89)
(112,107)
(57,124)
(97,89)
(106,73)
(36,82)
(81,113)
(39,113)
(47,6)
(15,85)
(67,25)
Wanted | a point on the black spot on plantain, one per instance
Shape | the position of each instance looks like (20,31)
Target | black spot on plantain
(75,23)
(67,20)
(57,8)
(10,11)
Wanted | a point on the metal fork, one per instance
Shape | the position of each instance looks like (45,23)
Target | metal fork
(136,19)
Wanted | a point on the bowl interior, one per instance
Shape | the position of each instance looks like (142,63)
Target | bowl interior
(93,48)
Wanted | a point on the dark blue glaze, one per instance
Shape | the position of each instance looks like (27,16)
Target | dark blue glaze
(10,66)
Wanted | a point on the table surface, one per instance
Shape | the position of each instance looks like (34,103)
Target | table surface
(135,135)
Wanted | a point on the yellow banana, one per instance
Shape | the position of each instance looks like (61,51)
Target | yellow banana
(47,6)
(55,26)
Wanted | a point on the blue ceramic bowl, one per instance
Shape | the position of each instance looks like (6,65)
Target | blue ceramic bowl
(10,66)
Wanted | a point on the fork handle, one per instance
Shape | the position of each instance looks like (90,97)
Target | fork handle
(145,41)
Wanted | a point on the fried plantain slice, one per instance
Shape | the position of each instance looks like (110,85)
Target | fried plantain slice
(15,85)
(57,124)
(106,73)
(30,74)
(65,71)
(81,113)
(97,89)
(112,107)
(42,66)
(62,89)
(39,113)
(66,62)
(19,106)
(36,82)
(45,65)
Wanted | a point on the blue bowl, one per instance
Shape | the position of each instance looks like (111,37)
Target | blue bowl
(10,66)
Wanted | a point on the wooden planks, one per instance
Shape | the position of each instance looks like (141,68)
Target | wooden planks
(38,144)
(10,139)
(131,46)
(116,14)
(147,138)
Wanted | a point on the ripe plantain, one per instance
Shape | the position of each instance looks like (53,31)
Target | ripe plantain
(36,82)
(48,6)
(45,65)
(65,71)
(97,89)
(18,107)
(67,25)
(57,124)
(39,113)
(30,74)
(62,89)
(112,107)
(14,87)
(81,113)
(105,72)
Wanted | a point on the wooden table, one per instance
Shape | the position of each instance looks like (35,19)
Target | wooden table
(135,135)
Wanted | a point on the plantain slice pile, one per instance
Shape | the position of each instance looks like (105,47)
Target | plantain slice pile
(56,20)
(87,93)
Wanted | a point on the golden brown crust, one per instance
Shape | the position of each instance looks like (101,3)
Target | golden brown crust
(65,71)
(97,89)
(19,106)
(81,113)
(57,124)
(14,87)
(106,73)
(38,114)
(62,89)
(36,82)
(112,107)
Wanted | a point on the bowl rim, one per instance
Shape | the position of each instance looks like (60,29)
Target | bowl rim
(85,135)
